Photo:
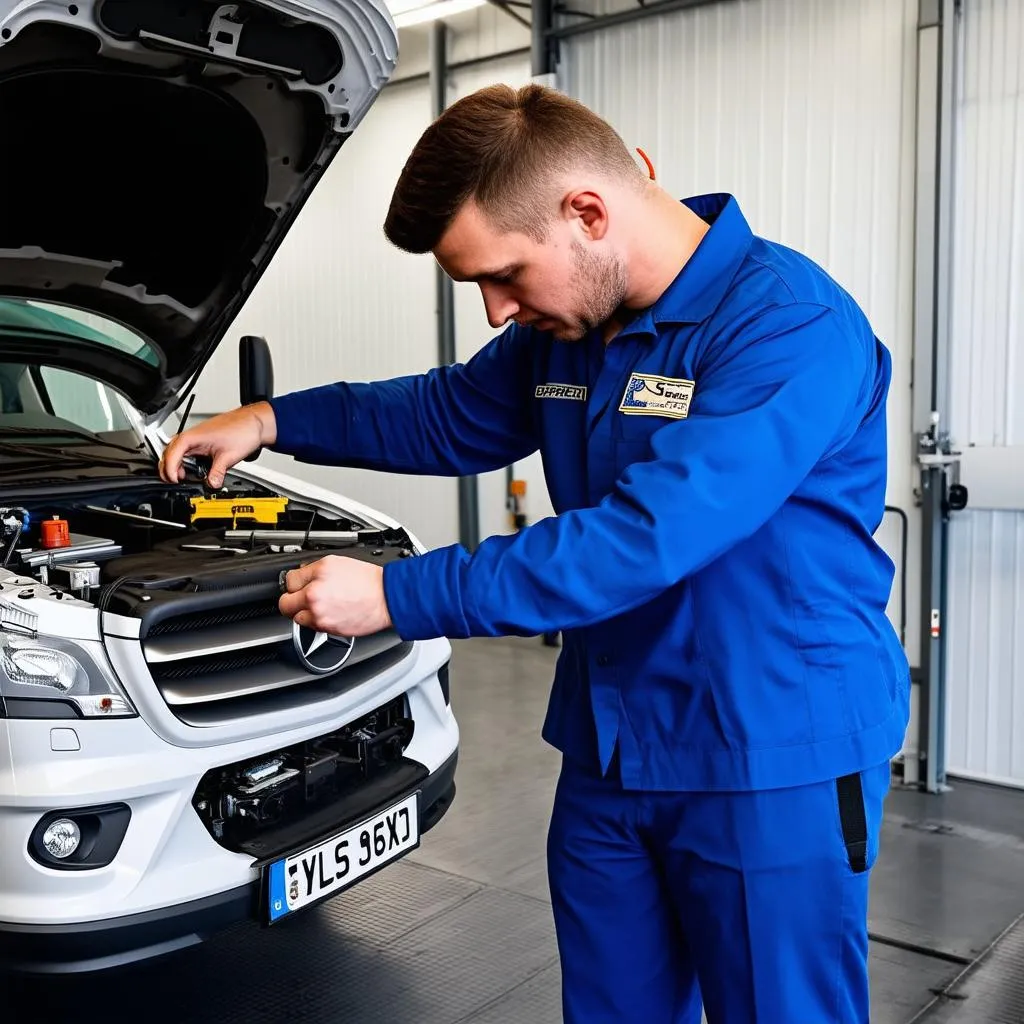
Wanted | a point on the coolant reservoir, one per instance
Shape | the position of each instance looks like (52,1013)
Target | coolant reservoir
(54,533)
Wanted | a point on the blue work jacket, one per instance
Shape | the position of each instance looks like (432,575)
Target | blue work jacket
(718,473)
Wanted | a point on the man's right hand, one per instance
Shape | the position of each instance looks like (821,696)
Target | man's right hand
(226,439)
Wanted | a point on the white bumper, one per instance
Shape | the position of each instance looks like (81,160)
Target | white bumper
(167,857)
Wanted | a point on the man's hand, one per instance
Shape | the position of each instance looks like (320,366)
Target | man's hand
(338,595)
(227,439)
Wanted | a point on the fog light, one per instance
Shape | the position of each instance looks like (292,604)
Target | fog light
(61,838)
(79,838)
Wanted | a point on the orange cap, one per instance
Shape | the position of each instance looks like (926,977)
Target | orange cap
(54,533)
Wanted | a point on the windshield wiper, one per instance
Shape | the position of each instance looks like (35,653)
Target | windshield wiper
(12,455)
(7,468)
(82,435)
(18,468)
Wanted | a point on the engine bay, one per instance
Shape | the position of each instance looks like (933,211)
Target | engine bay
(160,537)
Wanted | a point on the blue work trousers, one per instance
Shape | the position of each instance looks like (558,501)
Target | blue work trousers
(753,902)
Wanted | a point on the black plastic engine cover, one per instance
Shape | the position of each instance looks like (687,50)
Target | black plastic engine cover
(173,580)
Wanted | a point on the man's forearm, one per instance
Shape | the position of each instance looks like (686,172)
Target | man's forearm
(264,413)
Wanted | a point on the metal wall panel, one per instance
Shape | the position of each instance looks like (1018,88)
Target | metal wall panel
(985,647)
(986,405)
(804,110)
(339,302)
(985,627)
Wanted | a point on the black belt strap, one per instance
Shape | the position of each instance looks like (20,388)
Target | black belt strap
(853,821)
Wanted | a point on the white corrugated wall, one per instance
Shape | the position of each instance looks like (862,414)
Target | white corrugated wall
(985,616)
(804,110)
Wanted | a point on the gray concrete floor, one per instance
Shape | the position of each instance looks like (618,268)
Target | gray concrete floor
(460,931)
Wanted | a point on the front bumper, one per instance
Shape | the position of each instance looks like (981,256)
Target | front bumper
(98,945)
(168,855)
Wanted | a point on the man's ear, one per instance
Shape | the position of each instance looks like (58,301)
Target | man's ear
(588,209)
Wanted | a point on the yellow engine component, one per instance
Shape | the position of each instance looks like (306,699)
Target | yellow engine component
(260,510)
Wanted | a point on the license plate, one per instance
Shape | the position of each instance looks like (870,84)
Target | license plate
(334,864)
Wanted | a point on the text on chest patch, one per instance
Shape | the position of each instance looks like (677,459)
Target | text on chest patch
(577,392)
(649,395)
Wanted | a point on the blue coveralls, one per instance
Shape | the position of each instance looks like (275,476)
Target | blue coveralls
(730,690)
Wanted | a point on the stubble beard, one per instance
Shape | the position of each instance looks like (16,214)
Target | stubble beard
(599,283)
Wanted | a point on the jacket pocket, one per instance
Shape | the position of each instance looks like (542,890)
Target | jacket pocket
(853,821)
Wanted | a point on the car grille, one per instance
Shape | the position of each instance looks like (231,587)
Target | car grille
(223,663)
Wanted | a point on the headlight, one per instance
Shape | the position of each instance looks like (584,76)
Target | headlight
(34,672)
(29,663)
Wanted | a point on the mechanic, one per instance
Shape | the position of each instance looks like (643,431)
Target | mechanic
(711,409)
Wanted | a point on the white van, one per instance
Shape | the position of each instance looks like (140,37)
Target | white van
(175,756)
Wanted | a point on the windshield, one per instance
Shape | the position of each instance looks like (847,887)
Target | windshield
(24,317)
(35,395)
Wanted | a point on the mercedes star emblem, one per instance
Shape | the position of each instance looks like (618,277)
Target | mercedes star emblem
(321,653)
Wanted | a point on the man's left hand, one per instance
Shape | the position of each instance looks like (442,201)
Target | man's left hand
(337,595)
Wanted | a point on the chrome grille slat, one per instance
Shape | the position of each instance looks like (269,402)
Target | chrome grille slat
(208,620)
(173,646)
(195,668)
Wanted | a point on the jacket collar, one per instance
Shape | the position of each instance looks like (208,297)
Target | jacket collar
(700,285)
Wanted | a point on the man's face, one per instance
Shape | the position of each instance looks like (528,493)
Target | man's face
(568,284)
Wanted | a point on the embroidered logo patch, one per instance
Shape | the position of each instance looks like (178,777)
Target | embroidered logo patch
(576,392)
(650,395)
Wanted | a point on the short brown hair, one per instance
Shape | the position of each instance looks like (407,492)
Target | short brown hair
(503,148)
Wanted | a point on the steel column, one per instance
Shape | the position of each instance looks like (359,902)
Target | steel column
(936,458)
(469,501)
(542,46)
(542,70)
(543,67)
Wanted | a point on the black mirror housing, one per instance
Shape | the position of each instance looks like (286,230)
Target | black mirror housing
(255,370)
(255,374)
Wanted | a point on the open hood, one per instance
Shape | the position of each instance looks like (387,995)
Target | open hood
(155,153)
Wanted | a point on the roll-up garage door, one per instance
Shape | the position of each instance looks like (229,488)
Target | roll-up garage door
(985,610)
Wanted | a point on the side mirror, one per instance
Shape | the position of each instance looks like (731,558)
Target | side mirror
(255,370)
(255,374)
